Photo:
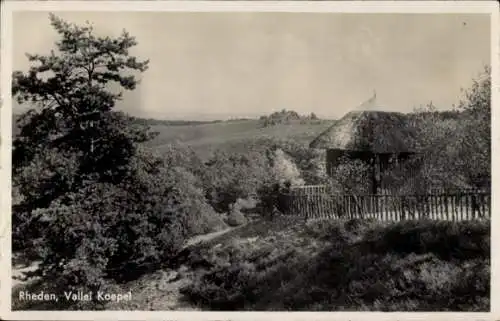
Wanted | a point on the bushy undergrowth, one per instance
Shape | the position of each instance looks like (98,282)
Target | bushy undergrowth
(449,241)
(333,266)
(103,232)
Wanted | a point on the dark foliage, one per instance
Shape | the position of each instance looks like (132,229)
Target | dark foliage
(407,272)
(453,149)
(287,117)
(230,176)
(460,240)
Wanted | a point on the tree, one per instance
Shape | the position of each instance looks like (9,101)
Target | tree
(233,175)
(474,141)
(89,200)
(71,89)
(453,148)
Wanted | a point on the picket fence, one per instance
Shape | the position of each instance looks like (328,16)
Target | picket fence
(319,202)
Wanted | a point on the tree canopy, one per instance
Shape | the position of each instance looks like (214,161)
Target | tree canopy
(73,90)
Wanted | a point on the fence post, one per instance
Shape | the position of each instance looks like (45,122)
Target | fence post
(466,208)
(441,209)
(306,206)
(446,207)
(435,208)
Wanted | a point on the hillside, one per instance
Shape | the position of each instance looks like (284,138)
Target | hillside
(233,135)
(354,265)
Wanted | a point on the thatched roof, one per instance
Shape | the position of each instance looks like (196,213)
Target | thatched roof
(367,129)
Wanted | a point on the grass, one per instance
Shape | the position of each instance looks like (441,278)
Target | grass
(232,135)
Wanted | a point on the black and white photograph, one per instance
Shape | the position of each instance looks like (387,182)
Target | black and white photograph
(249,160)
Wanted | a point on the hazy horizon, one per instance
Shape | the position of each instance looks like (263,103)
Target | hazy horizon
(206,66)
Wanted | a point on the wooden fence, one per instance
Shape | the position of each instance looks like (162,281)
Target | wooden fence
(319,202)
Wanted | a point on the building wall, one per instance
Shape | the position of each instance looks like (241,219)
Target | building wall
(385,161)
(334,157)
(332,160)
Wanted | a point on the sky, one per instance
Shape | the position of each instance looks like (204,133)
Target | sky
(210,65)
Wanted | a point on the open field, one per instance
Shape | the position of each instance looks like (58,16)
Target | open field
(233,135)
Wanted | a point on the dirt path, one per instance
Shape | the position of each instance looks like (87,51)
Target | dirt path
(205,237)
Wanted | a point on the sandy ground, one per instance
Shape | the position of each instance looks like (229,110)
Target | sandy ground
(18,273)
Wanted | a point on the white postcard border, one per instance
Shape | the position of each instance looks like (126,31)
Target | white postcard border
(437,7)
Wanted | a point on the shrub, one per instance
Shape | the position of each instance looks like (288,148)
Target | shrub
(284,170)
(351,177)
(231,176)
(278,271)
(47,176)
(225,288)
(459,240)
(156,175)
(178,155)
(114,232)
(448,146)
(245,205)
(236,218)
(309,162)
(266,164)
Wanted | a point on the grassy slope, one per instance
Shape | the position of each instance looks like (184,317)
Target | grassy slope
(232,135)
(328,266)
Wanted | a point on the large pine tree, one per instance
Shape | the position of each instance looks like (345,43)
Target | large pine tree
(73,91)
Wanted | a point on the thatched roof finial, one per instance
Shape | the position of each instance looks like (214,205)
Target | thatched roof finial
(369,104)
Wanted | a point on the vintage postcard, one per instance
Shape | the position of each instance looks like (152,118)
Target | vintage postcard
(249,160)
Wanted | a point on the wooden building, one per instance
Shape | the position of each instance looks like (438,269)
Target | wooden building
(369,134)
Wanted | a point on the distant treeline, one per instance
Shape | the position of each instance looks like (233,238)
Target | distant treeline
(443,115)
(287,117)
(152,121)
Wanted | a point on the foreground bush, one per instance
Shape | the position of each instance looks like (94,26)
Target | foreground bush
(408,272)
(447,240)
(236,218)
(233,176)
(107,233)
